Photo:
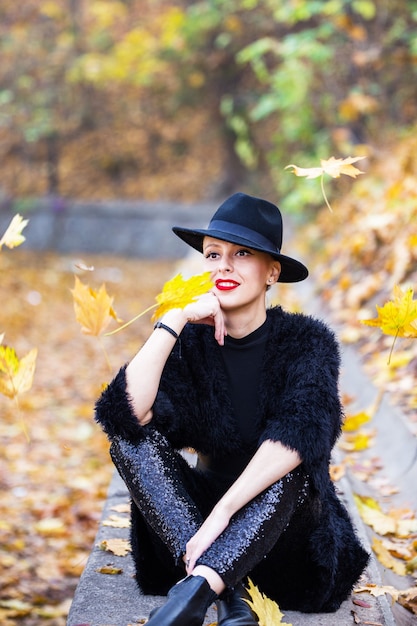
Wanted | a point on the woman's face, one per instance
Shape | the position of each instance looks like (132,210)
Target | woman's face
(240,274)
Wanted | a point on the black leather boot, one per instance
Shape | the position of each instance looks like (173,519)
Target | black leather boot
(186,605)
(232,609)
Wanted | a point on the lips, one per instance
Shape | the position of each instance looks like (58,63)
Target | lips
(226,285)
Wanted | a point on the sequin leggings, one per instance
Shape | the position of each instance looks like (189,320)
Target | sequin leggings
(174,499)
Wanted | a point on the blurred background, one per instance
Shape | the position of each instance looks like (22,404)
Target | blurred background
(187,100)
(119,118)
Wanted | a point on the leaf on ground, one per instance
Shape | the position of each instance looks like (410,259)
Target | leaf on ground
(354,422)
(403,596)
(400,525)
(372,515)
(115,521)
(267,610)
(123,507)
(110,570)
(385,557)
(93,309)
(408,599)
(119,547)
(337,472)
(356,442)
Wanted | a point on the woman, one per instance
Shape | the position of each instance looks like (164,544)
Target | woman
(255,393)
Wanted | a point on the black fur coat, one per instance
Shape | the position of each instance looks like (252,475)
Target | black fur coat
(299,406)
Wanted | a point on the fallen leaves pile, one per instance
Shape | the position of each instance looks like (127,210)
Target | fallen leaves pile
(54,481)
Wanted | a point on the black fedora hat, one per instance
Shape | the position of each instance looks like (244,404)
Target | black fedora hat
(251,222)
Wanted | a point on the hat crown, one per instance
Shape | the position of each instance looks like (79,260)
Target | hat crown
(253,215)
(250,222)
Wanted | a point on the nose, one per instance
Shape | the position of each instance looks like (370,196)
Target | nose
(225,264)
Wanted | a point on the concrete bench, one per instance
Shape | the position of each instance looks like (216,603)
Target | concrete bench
(113,599)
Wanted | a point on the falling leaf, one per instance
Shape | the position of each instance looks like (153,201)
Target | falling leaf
(333,167)
(119,547)
(13,236)
(16,376)
(80,265)
(93,309)
(267,610)
(398,316)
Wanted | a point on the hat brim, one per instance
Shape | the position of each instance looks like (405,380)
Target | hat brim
(292,271)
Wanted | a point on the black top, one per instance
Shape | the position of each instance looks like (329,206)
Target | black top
(242,359)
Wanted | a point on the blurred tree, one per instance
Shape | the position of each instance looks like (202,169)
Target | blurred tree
(275,83)
(36,47)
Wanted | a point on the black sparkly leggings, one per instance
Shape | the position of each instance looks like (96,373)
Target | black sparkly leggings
(174,499)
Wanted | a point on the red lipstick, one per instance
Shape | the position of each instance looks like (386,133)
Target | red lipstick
(224,284)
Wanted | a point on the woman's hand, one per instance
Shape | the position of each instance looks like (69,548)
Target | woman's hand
(208,532)
(206,310)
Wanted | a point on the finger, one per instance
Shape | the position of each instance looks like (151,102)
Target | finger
(219,328)
(189,564)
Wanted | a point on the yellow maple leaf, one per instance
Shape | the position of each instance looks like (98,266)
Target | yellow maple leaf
(384,524)
(353,422)
(378,590)
(267,610)
(386,559)
(119,547)
(397,317)
(333,167)
(93,309)
(16,376)
(13,236)
(356,442)
(177,292)
(116,521)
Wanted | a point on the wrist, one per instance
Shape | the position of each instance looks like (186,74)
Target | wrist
(175,319)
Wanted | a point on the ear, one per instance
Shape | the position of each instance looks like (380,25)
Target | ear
(274,273)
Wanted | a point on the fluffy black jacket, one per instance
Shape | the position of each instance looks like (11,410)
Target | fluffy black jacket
(299,406)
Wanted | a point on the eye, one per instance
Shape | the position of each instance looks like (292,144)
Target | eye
(243,252)
(211,255)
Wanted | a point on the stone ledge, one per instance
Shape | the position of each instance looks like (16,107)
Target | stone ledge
(115,600)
